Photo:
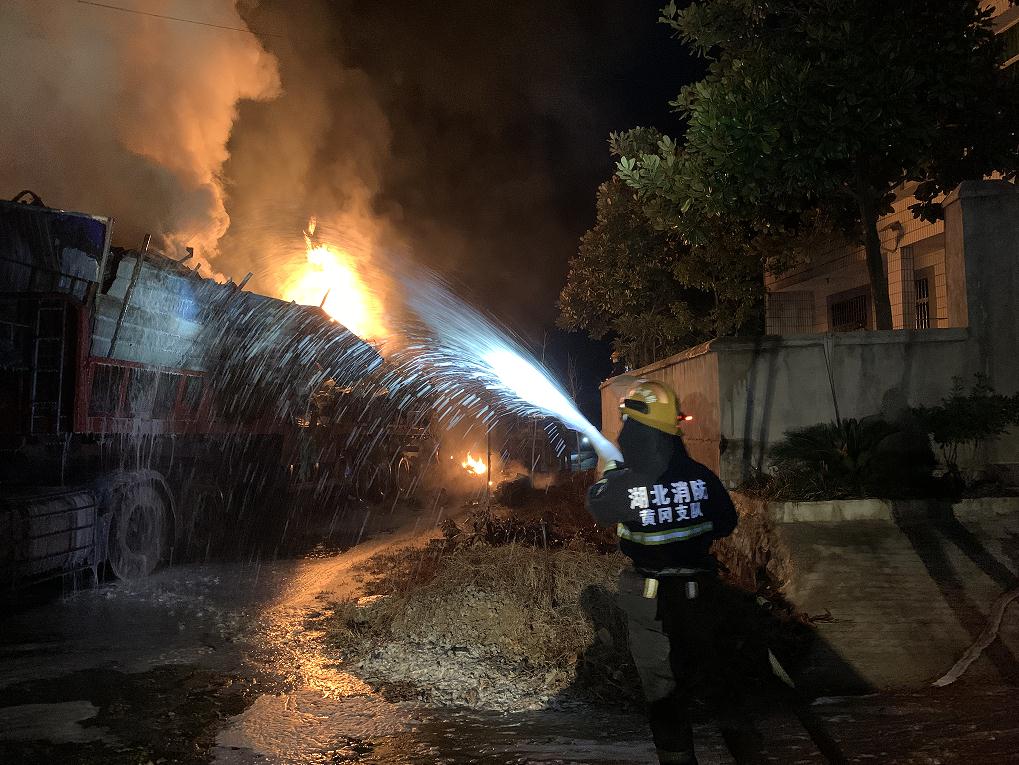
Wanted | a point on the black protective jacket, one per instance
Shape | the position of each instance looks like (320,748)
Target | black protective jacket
(667,508)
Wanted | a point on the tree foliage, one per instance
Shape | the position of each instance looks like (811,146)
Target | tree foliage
(648,289)
(826,107)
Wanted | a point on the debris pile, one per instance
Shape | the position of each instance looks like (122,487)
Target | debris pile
(514,608)
(509,610)
(754,557)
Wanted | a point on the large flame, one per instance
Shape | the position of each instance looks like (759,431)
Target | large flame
(474,466)
(331,278)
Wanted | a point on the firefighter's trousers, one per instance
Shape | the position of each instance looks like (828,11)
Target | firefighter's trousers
(675,647)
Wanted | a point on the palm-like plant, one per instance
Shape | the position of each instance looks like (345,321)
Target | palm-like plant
(834,459)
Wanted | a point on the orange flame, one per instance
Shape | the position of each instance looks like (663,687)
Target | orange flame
(474,466)
(331,278)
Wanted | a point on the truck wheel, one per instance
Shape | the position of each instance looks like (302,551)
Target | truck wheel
(405,478)
(138,532)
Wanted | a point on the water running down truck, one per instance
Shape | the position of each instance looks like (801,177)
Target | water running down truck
(143,406)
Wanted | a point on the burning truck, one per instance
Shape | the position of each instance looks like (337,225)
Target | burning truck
(142,405)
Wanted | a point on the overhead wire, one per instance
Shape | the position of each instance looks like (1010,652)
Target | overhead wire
(181,19)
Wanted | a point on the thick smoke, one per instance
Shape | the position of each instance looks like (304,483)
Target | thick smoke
(422,128)
(319,150)
(463,132)
(128,115)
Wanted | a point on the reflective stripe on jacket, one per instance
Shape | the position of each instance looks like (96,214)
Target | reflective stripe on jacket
(664,537)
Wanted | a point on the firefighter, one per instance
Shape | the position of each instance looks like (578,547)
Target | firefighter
(667,509)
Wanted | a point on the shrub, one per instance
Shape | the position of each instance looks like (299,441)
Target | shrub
(848,458)
(967,419)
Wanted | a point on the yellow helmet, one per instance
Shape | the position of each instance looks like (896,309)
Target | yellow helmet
(654,405)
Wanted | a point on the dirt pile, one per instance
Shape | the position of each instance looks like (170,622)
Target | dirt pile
(514,608)
(753,557)
(509,610)
(497,627)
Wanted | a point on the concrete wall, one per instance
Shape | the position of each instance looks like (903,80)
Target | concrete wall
(745,394)
(982,242)
(694,375)
(982,225)
(772,385)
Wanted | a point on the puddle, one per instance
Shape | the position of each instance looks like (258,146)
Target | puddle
(59,723)
(105,716)
(305,727)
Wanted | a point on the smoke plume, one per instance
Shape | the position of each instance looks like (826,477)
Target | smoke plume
(125,114)
(318,151)
(470,134)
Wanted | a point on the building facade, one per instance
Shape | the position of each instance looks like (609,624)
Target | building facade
(831,293)
(744,394)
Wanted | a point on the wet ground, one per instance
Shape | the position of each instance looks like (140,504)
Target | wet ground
(216,663)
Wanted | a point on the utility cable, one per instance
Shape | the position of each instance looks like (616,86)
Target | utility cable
(181,19)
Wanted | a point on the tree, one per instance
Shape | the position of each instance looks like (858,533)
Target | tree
(827,107)
(620,283)
(650,291)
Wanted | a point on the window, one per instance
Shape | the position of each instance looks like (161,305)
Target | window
(924,299)
(790,312)
(849,311)
(923,303)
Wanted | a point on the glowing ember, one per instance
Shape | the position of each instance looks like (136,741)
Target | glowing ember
(331,279)
(474,466)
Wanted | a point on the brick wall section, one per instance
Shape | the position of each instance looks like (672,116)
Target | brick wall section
(842,266)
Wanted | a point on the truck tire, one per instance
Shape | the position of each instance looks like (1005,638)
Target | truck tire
(406,478)
(138,531)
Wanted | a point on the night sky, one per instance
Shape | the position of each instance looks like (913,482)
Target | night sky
(499,115)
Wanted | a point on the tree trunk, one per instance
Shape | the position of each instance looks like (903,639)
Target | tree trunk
(875,263)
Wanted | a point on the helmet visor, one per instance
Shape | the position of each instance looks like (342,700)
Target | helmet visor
(635,405)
